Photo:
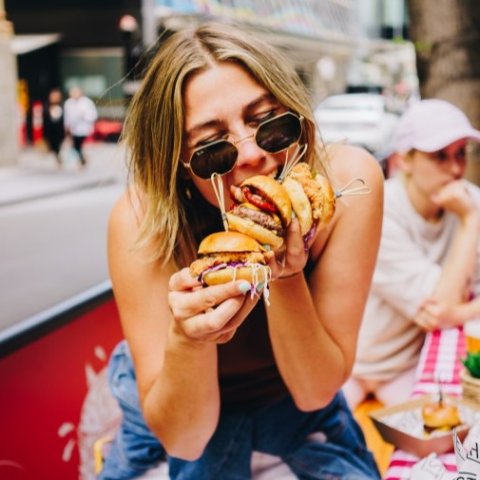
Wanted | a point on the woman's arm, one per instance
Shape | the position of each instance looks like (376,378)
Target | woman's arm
(458,268)
(436,314)
(173,342)
(314,326)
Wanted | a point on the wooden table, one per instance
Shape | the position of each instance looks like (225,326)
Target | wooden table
(439,362)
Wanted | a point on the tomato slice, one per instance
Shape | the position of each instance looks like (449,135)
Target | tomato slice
(258,201)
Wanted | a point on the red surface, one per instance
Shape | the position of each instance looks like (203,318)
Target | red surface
(43,385)
(439,360)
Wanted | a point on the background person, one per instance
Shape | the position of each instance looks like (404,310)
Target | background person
(80,116)
(53,123)
(429,250)
(209,375)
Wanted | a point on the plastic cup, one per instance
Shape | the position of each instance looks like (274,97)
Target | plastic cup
(472,336)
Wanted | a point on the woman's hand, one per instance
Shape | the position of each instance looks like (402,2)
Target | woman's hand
(455,198)
(434,315)
(208,314)
(292,258)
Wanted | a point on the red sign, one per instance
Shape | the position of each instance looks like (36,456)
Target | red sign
(55,402)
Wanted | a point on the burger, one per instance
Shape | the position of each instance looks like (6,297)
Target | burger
(227,256)
(312,196)
(262,210)
(440,416)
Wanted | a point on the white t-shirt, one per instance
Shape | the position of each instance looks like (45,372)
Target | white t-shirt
(411,253)
(80,115)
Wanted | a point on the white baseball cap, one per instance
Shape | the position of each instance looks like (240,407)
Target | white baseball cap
(430,125)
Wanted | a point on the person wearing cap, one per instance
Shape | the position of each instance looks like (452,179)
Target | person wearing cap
(429,256)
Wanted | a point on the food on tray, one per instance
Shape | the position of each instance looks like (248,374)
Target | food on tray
(263,210)
(440,416)
(227,256)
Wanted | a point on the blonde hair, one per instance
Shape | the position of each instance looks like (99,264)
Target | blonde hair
(155,121)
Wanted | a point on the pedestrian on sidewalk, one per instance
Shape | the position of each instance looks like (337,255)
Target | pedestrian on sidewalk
(53,123)
(80,116)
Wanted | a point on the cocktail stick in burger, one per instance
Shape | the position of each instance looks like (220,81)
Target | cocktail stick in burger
(263,210)
(227,256)
(440,416)
(312,196)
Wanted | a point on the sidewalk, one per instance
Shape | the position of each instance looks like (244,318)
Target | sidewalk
(37,175)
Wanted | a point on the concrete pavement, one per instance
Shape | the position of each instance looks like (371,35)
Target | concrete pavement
(53,226)
(37,175)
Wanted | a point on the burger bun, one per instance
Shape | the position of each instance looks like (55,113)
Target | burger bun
(230,241)
(442,415)
(253,274)
(254,230)
(300,204)
(275,193)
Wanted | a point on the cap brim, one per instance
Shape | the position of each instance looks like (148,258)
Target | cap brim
(443,139)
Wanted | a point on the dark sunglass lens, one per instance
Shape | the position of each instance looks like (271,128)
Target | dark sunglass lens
(279,133)
(218,158)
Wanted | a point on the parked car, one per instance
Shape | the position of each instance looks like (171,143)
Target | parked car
(358,119)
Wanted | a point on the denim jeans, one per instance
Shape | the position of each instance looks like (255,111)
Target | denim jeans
(326,444)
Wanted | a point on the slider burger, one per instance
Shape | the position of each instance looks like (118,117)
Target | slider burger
(312,196)
(227,256)
(440,416)
(263,210)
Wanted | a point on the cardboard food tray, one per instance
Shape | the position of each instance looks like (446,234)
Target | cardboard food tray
(402,425)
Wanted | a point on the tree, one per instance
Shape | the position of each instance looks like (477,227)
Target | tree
(446,35)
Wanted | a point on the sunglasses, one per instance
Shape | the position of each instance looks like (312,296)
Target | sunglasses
(220,156)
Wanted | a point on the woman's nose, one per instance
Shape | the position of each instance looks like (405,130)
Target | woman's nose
(457,167)
(249,153)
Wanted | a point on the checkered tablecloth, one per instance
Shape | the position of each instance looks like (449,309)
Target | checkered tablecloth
(439,363)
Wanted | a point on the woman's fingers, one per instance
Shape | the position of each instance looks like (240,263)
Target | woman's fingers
(182,281)
(425,320)
(215,323)
(187,303)
(293,258)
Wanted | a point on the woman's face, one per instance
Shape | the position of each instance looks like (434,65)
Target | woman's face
(427,173)
(226,102)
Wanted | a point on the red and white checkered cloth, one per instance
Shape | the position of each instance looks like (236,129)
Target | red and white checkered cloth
(439,363)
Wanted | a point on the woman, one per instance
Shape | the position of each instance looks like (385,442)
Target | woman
(220,375)
(428,265)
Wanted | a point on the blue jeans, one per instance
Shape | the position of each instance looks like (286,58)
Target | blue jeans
(325,445)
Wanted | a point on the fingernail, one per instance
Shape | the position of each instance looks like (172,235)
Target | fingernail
(244,286)
(260,286)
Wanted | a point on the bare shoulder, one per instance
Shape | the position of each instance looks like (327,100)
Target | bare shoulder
(126,215)
(349,168)
(348,163)
(353,167)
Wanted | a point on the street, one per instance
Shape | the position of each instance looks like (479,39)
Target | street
(54,247)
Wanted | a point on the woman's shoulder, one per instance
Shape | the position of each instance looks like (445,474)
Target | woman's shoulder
(352,170)
(127,213)
(348,162)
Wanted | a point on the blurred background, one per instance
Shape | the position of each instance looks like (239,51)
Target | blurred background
(363,62)
(394,50)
